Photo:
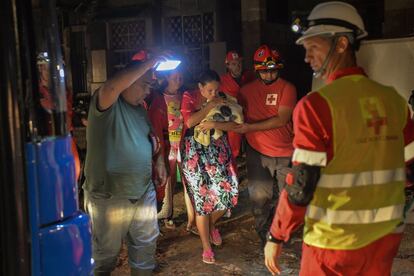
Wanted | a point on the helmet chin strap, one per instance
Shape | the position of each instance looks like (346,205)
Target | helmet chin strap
(321,71)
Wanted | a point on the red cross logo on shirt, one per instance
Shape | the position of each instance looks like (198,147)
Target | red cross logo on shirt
(375,119)
(271,99)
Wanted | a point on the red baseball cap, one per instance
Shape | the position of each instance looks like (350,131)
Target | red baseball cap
(232,55)
(140,56)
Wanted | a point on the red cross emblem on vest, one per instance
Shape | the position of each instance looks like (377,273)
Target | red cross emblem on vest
(375,119)
(271,99)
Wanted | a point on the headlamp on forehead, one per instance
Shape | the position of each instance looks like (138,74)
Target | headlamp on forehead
(270,64)
(301,25)
(299,21)
(297,25)
(330,19)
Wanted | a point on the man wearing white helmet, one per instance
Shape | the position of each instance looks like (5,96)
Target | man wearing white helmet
(353,140)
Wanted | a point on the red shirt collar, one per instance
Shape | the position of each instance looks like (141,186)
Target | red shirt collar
(345,72)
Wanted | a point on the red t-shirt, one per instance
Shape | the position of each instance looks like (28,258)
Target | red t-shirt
(261,102)
(229,85)
(314,132)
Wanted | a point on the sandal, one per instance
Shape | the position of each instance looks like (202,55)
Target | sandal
(215,237)
(192,229)
(169,224)
(208,257)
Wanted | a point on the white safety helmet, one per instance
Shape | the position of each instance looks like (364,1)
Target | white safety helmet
(331,18)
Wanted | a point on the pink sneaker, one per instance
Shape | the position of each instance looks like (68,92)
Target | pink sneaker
(215,237)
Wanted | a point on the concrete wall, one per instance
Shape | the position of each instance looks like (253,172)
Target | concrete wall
(252,16)
(399,18)
(256,31)
(243,26)
(296,70)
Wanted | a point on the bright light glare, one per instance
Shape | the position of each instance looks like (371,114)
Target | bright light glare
(167,65)
(295,28)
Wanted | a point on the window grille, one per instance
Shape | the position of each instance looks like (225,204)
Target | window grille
(193,33)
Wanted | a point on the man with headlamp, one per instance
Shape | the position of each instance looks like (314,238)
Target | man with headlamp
(119,187)
(267,103)
(353,139)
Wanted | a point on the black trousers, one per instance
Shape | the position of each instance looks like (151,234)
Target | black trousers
(266,176)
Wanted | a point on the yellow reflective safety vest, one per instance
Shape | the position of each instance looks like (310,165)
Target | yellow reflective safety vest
(360,195)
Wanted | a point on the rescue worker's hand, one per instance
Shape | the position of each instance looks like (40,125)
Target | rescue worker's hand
(160,171)
(242,128)
(205,126)
(272,252)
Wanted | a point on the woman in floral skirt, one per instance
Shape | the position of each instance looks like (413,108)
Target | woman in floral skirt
(209,170)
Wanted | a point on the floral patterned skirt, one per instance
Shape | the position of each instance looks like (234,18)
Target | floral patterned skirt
(210,174)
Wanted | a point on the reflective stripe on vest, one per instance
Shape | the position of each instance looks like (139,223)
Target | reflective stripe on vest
(311,158)
(355,216)
(409,151)
(360,195)
(348,180)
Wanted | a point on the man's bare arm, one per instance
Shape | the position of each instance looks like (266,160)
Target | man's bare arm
(285,114)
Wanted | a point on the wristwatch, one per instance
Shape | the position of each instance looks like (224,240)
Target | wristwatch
(270,238)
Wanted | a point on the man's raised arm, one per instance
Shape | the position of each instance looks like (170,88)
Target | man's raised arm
(112,88)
